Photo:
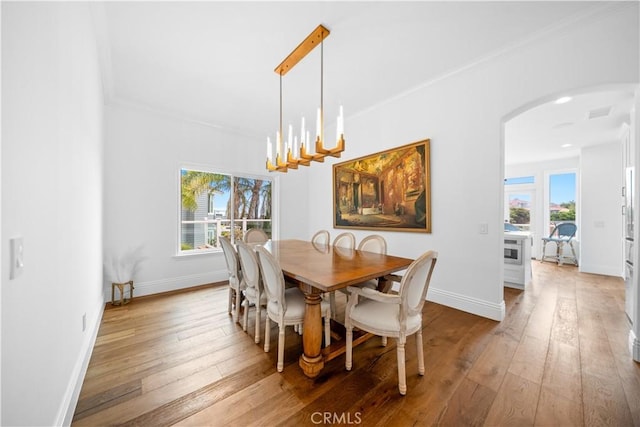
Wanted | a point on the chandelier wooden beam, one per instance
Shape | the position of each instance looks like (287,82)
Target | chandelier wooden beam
(314,39)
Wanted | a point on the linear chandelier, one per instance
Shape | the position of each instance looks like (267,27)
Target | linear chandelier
(290,154)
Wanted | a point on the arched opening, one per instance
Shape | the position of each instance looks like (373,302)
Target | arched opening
(581,135)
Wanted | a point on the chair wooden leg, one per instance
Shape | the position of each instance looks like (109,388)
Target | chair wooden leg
(348,353)
(281,348)
(267,333)
(402,376)
(332,304)
(384,341)
(231,292)
(327,329)
(257,339)
(238,303)
(246,314)
(420,352)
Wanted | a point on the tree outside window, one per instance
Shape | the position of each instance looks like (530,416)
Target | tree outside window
(215,204)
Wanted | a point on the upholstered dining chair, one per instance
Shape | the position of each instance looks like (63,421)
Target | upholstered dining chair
(236,282)
(391,315)
(345,240)
(372,243)
(253,293)
(342,240)
(321,237)
(255,235)
(286,307)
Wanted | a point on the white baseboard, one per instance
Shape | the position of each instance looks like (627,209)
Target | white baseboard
(634,346)
(605,270)
(470,305)
(70,399)
(151,287)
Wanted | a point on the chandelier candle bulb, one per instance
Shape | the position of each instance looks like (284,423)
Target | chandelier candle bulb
(318,123)
(269,149)
(339,125)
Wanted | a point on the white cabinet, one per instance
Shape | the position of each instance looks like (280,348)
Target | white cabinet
(518,274)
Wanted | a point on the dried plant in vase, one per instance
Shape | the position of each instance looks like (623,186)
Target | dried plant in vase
(120,269)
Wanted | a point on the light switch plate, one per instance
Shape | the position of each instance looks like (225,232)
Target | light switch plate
(483,228)
(16,256)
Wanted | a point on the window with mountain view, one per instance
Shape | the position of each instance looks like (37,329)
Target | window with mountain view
(217,204)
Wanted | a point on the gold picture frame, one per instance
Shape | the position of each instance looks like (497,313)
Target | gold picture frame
(385,191)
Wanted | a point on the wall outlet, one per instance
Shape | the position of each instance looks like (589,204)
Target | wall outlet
(483,228)
(84,322)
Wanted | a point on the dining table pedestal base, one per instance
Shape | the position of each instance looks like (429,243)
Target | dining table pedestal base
(311,366)
(312,360)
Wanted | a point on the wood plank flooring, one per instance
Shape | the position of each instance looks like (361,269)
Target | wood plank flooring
(559,358)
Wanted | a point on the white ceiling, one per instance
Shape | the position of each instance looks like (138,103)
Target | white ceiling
(213,62)
(551,131)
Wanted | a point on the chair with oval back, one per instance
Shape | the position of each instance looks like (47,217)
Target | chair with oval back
(254,293)
(236,282)
(373,243)
(376,244)
(390,315)
(255,235)
(286,307)
(345,240)
(321,237)
(342,240)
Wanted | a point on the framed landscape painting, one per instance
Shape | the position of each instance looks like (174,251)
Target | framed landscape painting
(389,190)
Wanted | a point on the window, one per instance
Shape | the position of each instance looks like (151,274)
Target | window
(520,202)
(217,204)
(562,198)
(519,180)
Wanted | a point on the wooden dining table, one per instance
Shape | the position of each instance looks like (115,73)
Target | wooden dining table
(317,269)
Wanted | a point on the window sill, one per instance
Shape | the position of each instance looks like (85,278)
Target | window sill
(197,254)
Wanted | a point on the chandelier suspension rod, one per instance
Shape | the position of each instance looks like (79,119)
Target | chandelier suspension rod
(279,142)
(322,90)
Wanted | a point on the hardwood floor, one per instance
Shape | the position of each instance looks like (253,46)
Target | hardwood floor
(559,358)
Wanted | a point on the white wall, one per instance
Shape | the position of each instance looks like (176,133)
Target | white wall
(600,216)
(462,114)
(1,239)
(52,197)
(144,152)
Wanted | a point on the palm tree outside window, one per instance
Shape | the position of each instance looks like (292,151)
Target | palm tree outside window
(217,204)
